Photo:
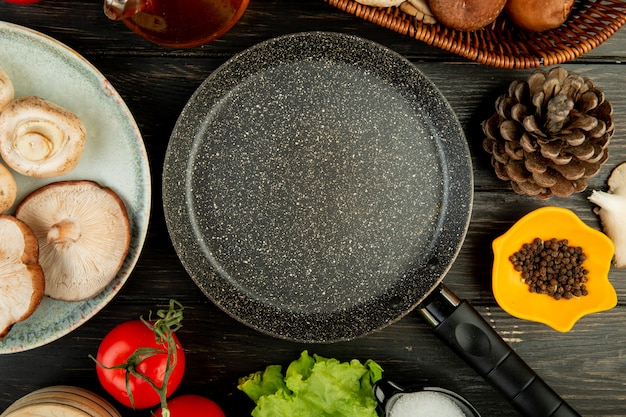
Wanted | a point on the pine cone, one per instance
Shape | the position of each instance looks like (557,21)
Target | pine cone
(549,134)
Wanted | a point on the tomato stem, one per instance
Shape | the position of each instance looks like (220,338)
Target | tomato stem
(168,322)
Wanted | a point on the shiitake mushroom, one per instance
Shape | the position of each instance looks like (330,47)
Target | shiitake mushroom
(538,15)
(83,231)
(466,15)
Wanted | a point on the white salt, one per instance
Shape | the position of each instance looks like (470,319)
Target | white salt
(425,404)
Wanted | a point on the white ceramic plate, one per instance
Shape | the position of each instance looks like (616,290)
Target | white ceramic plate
(114,156)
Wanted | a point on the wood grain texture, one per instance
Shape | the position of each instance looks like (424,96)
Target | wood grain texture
(587,366)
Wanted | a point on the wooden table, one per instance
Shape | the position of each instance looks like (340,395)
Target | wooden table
(587,365)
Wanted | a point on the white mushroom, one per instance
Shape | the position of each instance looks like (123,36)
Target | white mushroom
(84,235)
(6,89)
(39,138)
(612,212)
(21,276)
(8,188)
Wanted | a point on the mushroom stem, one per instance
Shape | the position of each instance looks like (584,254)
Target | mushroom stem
(612,211)
(38,140)
(65,232)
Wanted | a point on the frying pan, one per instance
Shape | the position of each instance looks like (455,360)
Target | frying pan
(317,187)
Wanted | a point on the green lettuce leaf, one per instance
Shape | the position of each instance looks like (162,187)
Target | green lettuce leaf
(314,386)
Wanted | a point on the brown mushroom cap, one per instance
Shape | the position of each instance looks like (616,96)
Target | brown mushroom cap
(22,279)
(39,138)
(84,235)
(538,15)
(6,89)
(8,189)
(466,15)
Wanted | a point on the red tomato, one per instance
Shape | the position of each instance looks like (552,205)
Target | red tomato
(115,349)
(191,405)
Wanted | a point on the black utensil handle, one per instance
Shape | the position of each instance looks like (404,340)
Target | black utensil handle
(464,330)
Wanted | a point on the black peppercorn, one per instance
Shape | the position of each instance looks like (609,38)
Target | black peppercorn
(552,267)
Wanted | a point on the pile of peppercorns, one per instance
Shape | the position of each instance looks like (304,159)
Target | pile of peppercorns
(552,267)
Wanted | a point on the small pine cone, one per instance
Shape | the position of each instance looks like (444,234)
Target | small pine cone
(549,134)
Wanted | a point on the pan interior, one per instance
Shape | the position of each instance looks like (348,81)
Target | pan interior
(312,190)
(307,204)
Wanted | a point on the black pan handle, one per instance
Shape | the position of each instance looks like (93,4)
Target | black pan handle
(464,330)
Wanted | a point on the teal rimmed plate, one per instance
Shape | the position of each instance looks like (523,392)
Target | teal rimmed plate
(114,156)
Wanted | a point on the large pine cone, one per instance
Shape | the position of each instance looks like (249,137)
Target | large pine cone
(549,134)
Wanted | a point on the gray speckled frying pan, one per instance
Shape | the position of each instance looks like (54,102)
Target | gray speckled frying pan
(317,187)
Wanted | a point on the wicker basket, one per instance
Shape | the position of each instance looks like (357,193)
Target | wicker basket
(501,44)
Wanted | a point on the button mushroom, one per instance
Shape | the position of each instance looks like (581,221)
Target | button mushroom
(39,138)
(21,280)
(84,235)
(612,212)
(6,89)
(8,189)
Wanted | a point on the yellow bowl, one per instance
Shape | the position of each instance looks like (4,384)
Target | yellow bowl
(513,295)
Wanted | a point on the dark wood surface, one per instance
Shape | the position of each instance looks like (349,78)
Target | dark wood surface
(587,365)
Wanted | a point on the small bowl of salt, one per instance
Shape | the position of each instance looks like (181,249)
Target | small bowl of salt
(423,402)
